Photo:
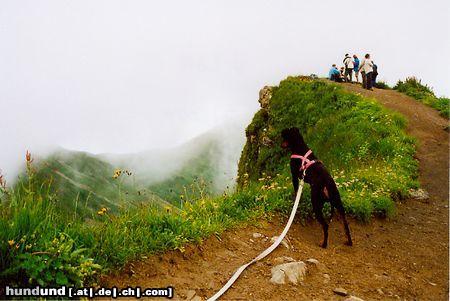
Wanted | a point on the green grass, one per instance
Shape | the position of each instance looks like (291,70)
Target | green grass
(413,87)
(42,245)
(362,144)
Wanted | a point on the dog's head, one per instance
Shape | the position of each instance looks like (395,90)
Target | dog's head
(292,139)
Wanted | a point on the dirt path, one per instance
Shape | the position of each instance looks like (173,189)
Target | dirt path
(402,258)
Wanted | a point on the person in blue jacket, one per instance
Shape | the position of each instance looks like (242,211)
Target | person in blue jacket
(334,74)
(356,67)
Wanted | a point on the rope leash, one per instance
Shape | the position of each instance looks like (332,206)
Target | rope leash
(267,251)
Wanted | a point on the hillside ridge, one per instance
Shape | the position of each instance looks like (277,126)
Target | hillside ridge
(403,257)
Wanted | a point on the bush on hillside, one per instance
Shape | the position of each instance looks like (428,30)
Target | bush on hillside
(413,87)
(382,85)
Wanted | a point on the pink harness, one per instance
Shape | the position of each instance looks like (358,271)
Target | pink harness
(305,161)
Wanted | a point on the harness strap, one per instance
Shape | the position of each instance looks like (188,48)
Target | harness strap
(305,161)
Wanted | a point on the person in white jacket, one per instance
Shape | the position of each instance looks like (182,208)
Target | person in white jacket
(348,63)
(366,69)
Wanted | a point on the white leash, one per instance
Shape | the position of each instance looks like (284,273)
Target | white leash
(266,252)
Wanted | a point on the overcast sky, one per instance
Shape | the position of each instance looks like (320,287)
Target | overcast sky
(126,76)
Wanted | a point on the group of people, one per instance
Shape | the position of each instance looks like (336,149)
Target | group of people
(367,68)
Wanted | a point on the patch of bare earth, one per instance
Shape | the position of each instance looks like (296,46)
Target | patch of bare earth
(405,257)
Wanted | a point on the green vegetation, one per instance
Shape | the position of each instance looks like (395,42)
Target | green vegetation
(40,244)
(382,85)
(193,180)
(363,145)
(414,88)
(82,183)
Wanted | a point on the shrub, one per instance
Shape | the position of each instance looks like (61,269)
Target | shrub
(413,87)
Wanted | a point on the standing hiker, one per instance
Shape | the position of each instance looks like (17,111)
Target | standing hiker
(367,68)
(356,67)
(348,63)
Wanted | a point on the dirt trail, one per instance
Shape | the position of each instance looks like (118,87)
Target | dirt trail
(405,257)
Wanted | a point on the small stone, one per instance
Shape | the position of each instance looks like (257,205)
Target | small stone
(432,283)
(283,259)
(418,194)
(251,240)
(340,291)
(283,242)
(197,298)
(326,278)
(353,298)
(312,261)
(380,291)
(190,294)
(257,235)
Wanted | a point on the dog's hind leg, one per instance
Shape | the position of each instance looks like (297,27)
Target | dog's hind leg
(341,211)
(317,207)
(336,202)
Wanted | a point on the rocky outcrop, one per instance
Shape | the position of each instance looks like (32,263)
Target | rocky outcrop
(265,94)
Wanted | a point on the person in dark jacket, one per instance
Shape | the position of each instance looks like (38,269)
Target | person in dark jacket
(374,74)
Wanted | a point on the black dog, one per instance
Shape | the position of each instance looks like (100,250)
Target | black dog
(323,188)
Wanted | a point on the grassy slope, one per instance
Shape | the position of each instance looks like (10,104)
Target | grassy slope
(414,88)
(363,145)
(83,183)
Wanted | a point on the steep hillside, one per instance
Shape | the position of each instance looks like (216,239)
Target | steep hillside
(209,162)
(84,183)
(360,142)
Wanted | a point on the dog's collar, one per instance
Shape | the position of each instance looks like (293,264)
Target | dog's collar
(305,161)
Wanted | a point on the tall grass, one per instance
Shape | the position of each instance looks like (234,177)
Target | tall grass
(413,87)
(41,244)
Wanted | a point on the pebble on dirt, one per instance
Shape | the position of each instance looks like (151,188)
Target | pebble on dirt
(340,291)
(312,261)
(418,194)
(283,242)
(353,298)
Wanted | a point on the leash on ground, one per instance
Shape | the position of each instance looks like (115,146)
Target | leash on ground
(267,251)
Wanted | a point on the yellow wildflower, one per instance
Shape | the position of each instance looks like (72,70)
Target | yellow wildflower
(11,242)
(100,212)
